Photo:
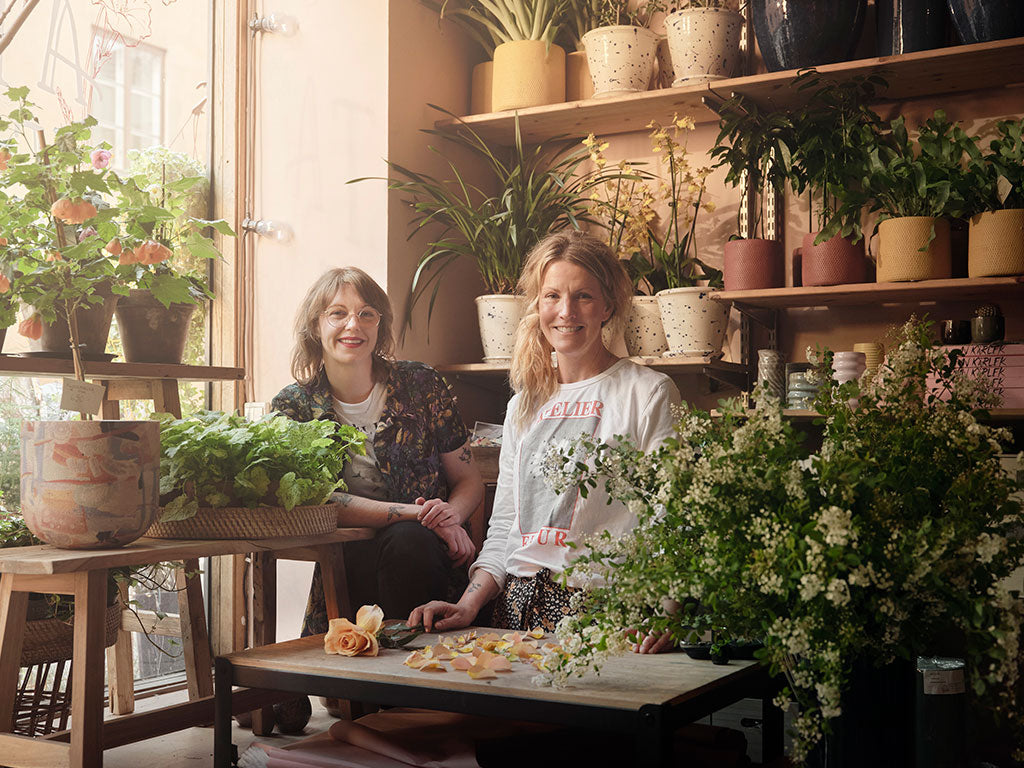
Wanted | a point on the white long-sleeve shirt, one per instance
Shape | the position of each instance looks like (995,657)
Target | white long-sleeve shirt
(531,524)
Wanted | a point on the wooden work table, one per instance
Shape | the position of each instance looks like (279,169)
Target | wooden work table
(83,573)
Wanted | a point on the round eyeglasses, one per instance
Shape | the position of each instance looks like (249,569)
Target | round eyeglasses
(337,317)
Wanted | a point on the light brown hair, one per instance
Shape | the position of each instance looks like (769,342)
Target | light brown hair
(308,353)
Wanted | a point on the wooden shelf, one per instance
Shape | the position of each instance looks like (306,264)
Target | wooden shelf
(12,365)
(733,374)
(959,289)
(924,73)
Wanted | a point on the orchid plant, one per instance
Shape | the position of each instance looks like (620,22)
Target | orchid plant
(904,523)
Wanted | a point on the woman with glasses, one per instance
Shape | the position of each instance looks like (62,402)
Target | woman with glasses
(417,483)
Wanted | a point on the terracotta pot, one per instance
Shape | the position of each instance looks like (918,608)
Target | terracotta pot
(645,335)
(695,324)
(578,84)
(621,59)
(837,261)
(753,264)
(996,244)
(528,73)
(90,484)
(93,328)
(151,332)
(705,44)
(905,253)
(499,316)
(482,88)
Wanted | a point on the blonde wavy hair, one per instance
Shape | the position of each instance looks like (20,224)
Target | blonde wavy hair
(532,375)
(308,352)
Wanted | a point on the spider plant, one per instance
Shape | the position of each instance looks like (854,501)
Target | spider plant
(493,22)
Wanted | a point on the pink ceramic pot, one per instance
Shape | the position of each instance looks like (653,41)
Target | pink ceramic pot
(836,261)
(753,264)
(90,484)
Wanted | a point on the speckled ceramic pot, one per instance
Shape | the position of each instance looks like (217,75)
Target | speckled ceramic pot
(705,44)
(621,59)
(666,73)
(90,484)
(499,316)
(645,335)
(695,324)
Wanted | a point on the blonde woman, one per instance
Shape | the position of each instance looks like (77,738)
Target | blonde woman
(417,483)
(574,286)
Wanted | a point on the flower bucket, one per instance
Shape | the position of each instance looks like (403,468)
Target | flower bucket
(904,252)
(704,44)
(482,88)
(837,261)
(151,332)
(499,316)
(578,84)
(753,264)
(695,324)
(645,335)
(621,59)
(996,244)
(90,484)
(93,329)
(528,73)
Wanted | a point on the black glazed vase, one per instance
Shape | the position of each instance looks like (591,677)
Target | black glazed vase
(979,21)
(904,26)
(805,33)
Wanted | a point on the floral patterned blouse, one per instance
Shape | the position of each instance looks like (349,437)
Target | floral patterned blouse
(420,421)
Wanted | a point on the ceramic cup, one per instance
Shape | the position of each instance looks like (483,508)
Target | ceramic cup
(985,330)
(848,366)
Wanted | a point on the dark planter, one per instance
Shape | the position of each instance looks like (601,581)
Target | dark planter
(903,26)
(753,264)
(837,261)
(978,21)
(151,332)
(93,329)
(805,33)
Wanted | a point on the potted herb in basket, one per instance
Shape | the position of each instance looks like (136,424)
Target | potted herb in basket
(225,477)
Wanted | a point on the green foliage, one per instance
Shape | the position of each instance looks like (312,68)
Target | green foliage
(899,528)
(995,178)
(218,460)
(493,22)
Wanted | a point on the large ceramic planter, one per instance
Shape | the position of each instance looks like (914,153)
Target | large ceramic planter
(753,264)
(793,34)
(905,253)
(905,26)
(996,244)
(705,44)
(578,83)
(528,73)
(978,21)
(93,329)
(90,484)
(151,332)
(621,59)
(499,316)
(695,324)
(837,261)
(645,335)
(482,88)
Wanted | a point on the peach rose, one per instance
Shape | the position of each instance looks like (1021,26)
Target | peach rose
(5,284)
(3,241)
(31,327)
(5,156)
(359,639)
(370,618)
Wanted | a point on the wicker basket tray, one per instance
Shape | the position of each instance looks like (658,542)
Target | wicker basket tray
(250,523)
(49,640)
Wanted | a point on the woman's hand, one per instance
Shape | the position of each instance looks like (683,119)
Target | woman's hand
(651,642)
(436,512)
(460,546)
(439,616)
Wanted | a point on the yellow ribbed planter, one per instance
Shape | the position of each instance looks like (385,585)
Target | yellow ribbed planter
(996,244)
(902,251)
(578,84)
(528,73)
(481,89)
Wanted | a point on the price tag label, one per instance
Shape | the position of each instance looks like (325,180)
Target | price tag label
(81,396)
(943,682)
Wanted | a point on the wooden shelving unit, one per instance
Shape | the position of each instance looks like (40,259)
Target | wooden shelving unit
(958,289)
(942,71)
(13,365)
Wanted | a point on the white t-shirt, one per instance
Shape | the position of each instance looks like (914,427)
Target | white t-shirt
(361,473)
(531,524)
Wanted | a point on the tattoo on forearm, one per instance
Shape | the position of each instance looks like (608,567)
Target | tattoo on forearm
(472,588)
(394,513)
(466,455)
(344,499)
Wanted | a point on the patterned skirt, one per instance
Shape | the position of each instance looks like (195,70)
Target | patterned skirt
(530,602)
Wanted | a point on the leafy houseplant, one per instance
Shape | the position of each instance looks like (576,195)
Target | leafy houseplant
(219,460)
(898,529)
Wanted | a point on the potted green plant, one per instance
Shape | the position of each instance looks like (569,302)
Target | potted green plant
(995,202)
(833,130)
(528,191)
(915,187)
(620,47)
(225,477)
(889,541)
(755,147)
(704,41)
